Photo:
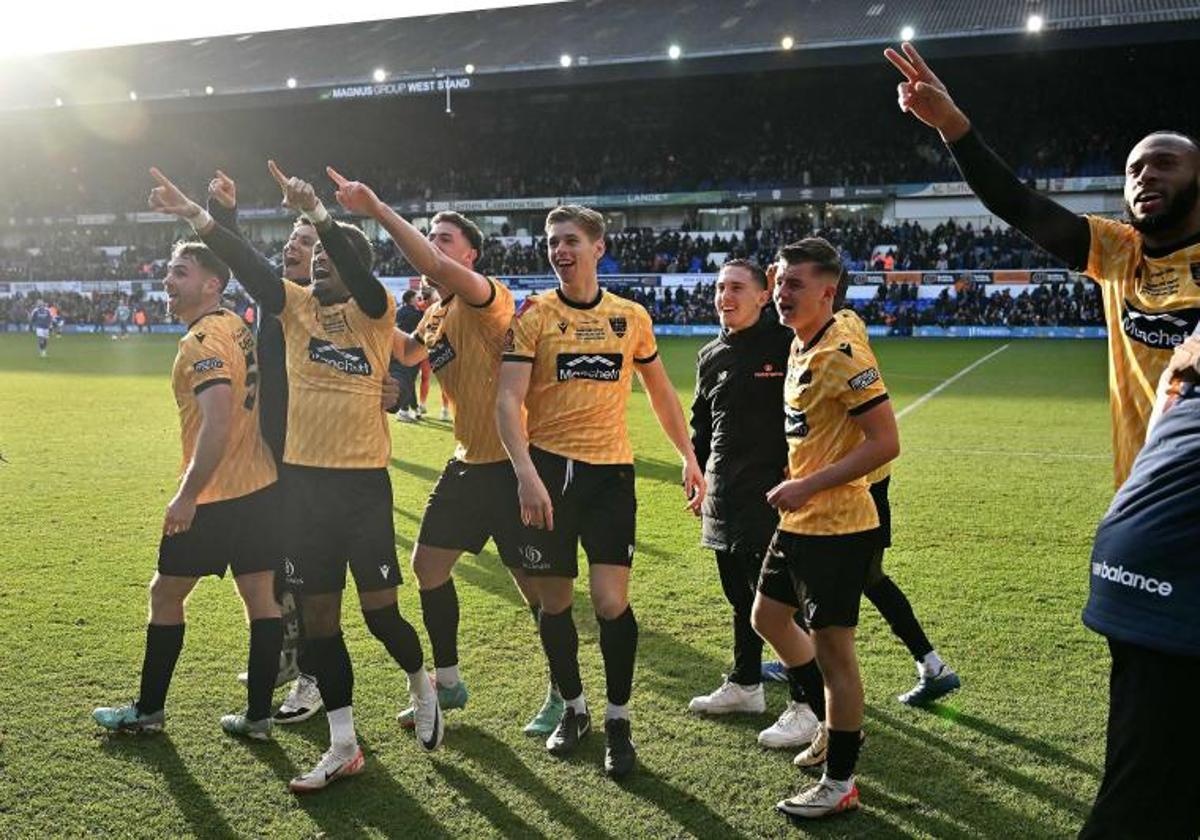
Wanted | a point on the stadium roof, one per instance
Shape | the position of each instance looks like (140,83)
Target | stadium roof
(594,33)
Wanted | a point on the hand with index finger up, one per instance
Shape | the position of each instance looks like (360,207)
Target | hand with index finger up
(923,94)
(168,198)
(298,194)
(354,196)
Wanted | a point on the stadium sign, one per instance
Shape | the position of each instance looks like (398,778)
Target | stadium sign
(1049,277)
(399,87)
(475,205)
(938,278)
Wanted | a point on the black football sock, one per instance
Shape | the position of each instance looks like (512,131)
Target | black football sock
(536,610)
(329,661)
(618,646)
(807,685)
(398,636)
(896,610)
(439,611)
(560,641)
(842,755)
(163,644)
(266,640)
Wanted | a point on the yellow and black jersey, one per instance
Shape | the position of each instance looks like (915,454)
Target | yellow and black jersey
(218,349)
(464,344)
(849,319)
(828,382)
(1151,304)
(337,358)
(583,356)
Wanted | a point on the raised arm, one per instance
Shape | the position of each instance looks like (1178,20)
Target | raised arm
(1049,224)
(468,284)
(364,287)
(252,269)
(669,412)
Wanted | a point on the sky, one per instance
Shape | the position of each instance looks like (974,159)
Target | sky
(33,28)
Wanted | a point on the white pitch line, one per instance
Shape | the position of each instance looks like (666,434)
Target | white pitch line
(927,396)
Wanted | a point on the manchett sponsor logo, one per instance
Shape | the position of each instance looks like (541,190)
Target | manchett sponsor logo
(1117,574)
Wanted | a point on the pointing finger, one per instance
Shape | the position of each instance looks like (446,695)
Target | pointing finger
(162,179)
(335,176)
(918,63)
(277,174)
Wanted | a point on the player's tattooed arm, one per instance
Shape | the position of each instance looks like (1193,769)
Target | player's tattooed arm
(1049,224)
(424,256)
(364,287)
(252,269)
(216,410)
(669,412)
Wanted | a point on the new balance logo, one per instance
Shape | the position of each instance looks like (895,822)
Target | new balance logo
(1118,575)
(351,360)
(600,367)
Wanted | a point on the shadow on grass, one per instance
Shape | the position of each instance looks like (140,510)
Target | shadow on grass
(197,807)
(496,758)
(420,471)
(1015,739)
(936,750)
(372,801)
(482,801)
(692,815)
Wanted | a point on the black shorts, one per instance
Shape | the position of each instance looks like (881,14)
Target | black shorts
(593,503)
(879,492)
(243,534)
(827,574)
(338,517)
(470,504)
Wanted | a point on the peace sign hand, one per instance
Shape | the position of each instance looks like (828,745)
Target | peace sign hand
(297,194)
(355,196)
(168,198)
(923,94)
(224,190)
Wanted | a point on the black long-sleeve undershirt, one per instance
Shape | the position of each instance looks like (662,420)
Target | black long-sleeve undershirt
(364,287)
(226,217)
(255,272)
(1049,224)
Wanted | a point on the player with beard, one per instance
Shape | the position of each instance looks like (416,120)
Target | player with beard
(221,517)
(338,335)
(304,699)
(461,334)
(1145,267)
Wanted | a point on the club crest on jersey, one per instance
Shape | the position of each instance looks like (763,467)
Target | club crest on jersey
(1160,330)
(599,367)
(562,326)
(350,360)
(619,326)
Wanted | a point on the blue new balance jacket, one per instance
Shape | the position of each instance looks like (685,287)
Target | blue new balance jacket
(1145,570)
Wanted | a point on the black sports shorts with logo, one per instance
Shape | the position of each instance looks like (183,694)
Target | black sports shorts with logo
(470,504)
(244,535)
(826,574)
(593,503)
(338,517)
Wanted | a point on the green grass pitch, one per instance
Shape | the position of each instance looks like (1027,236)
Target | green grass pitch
(1003,477)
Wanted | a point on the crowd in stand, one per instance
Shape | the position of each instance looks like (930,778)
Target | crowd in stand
(897,305)
(99,310)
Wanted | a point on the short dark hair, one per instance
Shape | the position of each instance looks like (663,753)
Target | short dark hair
(408,295)
(1170,132)
(588,220)
(303,221)
(469,229)
(361,244)
(816,250)
(760,276)
(204,257)
(839,297)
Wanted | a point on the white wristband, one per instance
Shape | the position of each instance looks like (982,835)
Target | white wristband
(200,221)
(318,215)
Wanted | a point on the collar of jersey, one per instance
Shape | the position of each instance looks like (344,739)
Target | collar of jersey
(1155,253)
(820,334)
(217,311)
(574,305)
